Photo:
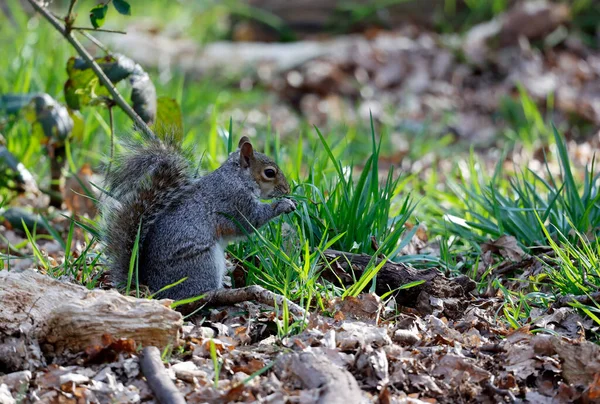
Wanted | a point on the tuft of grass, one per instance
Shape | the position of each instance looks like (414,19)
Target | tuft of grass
(362,208)
(492,206)
(575,267)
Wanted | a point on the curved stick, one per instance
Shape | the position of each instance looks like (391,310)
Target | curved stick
(158,380)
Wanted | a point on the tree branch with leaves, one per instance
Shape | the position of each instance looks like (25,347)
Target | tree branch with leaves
(97,16)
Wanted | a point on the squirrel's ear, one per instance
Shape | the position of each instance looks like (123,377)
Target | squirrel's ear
(243,140)
(246,154)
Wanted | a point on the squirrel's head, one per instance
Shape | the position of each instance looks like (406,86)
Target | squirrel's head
(271,181)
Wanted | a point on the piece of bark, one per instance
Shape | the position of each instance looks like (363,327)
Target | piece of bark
(157,377)
(228,297)
(61,315)
(307,371)
(393,275)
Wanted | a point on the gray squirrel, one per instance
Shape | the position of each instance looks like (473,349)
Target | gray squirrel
(184,222)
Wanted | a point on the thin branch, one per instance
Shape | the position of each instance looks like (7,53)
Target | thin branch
(70,17)
(96,42)
(117,97)
(112,31)
(157,377)
(233,296)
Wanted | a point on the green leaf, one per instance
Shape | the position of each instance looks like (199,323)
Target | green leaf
(98,14)
(169,119)
(82,87)
(122,7)
(78,125)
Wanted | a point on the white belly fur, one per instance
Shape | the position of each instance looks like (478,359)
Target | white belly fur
(218,257)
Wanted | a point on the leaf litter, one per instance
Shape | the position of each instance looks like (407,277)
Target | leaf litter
(385,353)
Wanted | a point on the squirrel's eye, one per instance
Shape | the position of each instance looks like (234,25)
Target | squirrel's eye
(270,173)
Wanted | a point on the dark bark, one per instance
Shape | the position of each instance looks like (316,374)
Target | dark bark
(393,275)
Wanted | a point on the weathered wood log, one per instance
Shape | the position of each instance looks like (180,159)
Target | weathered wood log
(393,275)
(63,316)
(330,384)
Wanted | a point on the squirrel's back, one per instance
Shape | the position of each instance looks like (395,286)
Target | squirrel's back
(147,178)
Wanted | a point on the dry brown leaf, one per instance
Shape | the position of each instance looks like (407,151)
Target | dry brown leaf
(457,369)
(593,392)
(580,361)
(506,246)
(564,321)
(110,349)
(366,307)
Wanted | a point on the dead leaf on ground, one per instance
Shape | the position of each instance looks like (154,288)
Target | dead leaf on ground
(366,307)
(506,246)
(110,349)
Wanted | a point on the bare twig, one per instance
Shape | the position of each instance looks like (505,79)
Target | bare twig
(232,296)
(112,31)
(70,18)
(96,42)
(157,377)
(119,100)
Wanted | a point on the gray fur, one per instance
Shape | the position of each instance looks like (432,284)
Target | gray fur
(186,222)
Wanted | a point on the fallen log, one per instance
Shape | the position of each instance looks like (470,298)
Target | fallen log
(59,316)
(393,275)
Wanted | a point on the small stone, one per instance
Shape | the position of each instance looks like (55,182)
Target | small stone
(188,371)
(184,366)
(206,332)
(73,378)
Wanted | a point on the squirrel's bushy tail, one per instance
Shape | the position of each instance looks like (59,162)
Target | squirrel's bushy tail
(142,182)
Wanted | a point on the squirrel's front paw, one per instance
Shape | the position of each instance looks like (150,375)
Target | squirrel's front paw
(284,206)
